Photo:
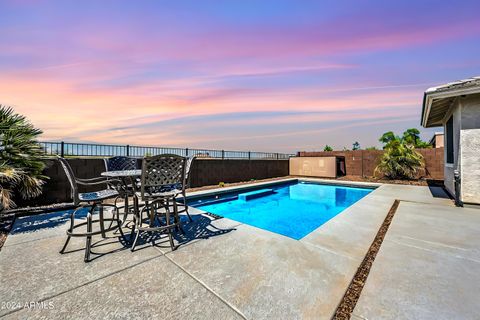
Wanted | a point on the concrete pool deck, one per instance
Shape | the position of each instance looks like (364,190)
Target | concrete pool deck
(222,269)
(428,266)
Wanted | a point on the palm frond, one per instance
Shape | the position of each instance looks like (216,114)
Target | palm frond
(6,201)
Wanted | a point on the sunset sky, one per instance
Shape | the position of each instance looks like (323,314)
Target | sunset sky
(245,75)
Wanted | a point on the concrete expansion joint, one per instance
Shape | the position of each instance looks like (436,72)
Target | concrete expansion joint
(431,250)
(330,251)
(228,304)
(33,240)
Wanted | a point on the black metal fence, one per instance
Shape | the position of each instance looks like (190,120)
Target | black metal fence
(104,150)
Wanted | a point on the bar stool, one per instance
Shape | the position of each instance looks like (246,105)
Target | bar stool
(94,201)
(163,179)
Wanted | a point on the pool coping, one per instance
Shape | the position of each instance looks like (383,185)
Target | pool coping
(221,190)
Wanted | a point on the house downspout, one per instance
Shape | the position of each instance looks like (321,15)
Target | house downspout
(458,188)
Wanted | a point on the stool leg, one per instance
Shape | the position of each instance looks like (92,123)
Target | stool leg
(136,239)
(125,213)
(139,222)
(186,206)
(116,217)
(88,243)
(177,217)
(102,221)
(152,215)
(136,211)
(167,217)
(115,204)
(70,229)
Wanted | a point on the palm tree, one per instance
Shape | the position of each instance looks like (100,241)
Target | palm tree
(400,161)
(412,136)
(387,138)
(21,162)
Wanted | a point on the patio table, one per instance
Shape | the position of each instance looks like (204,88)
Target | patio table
(122,173)
(128,179)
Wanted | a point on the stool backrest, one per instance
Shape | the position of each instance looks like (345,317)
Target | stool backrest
(162,172)
(188,169)
(120,163)
(71,179)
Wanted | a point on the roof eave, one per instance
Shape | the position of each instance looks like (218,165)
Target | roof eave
(430,97)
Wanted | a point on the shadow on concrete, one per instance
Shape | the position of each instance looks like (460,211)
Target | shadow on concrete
(438,190)
(200,228)
(45,221)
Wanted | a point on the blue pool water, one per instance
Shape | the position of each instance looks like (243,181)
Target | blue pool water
(293,210)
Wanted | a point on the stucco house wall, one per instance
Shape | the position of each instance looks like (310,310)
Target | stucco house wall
(466,145)
(470,148)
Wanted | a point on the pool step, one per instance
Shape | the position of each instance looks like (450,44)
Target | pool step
(214,201)
(255,194)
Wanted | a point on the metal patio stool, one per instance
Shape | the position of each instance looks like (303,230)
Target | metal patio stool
(94,200)
(163,179)
(125,190)
(183,205)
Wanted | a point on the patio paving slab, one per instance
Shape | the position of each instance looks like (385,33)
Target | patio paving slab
(269,276)
(451,231)
(415,194)
(427,267)
(352,231)
(156,289)
(35,270)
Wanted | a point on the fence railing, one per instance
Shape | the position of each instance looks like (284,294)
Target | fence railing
(109,150)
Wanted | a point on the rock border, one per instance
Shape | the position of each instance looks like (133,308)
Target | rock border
(350,299)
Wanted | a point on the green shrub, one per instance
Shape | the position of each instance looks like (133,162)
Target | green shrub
(21,159)
(400,161)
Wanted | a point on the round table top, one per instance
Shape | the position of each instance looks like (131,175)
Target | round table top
(122,173)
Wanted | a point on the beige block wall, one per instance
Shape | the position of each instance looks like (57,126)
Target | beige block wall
(439,141)
(325,167)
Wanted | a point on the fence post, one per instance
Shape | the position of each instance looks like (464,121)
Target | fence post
(223,154)
(128,150)
(62,149)
(249,155)
(186,152)
(277,156)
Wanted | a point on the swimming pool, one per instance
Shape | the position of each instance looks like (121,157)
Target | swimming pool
(293,209)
